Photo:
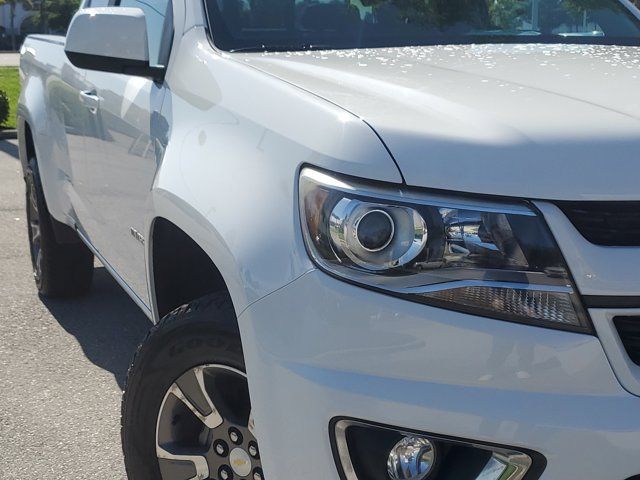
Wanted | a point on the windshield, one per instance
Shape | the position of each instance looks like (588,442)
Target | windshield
(264,25)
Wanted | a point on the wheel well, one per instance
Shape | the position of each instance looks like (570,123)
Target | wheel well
(26,145)
(182,270)
(28,142)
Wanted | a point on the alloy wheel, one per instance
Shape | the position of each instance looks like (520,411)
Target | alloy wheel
(35,232)
(205,429)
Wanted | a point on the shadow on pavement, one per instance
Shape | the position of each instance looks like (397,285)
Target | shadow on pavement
(10,148)
(106,323)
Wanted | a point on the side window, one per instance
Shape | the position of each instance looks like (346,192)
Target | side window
(95,3)
(159,14)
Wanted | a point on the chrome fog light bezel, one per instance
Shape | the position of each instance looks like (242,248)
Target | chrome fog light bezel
(427,457)
(505,462)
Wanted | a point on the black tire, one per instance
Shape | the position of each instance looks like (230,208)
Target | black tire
(202,332)
(60,269)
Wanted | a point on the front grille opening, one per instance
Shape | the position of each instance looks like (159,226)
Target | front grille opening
(611,224)
(629,331)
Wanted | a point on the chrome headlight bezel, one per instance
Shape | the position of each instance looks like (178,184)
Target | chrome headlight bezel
(485,257)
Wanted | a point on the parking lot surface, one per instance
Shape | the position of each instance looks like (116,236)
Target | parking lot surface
(62,362)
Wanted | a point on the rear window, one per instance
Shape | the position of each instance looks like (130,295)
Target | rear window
(263,25)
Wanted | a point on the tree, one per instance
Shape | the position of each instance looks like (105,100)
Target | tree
(28,4)
(508,14)
(55,15)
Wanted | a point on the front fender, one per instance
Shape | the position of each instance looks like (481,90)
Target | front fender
(229,175)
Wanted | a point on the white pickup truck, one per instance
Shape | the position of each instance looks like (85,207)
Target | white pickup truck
(379,239)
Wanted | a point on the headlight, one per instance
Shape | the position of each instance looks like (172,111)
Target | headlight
(491,259)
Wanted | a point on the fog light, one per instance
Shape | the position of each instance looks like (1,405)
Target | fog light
(363,452)
(412,458)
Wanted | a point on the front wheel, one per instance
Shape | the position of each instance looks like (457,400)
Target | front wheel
(186,409)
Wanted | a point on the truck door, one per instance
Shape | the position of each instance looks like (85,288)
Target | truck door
(122,153)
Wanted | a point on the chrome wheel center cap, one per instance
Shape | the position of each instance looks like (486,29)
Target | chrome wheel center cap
(240,462)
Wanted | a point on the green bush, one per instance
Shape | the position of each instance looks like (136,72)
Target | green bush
(4,107)
(10,84)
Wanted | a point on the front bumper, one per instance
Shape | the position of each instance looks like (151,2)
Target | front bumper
(319,348)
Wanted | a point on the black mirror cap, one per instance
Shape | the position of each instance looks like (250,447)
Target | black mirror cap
(123,66)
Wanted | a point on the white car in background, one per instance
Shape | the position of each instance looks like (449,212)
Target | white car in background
(379,239)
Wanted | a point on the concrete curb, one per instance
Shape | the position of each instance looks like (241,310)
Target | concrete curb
(8,134)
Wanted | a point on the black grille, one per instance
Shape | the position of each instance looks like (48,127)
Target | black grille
(629,331)
(613,224)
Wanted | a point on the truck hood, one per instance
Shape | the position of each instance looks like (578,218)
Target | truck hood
(537,121)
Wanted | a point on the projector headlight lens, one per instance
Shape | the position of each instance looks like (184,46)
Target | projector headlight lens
(376,236)
(492,259)
(374,230)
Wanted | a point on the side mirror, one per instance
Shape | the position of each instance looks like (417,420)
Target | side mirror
(111,39)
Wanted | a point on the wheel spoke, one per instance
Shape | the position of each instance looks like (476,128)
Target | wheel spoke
(191,391)
(33,218)
(34,202)
(38,263)
(35,233)
(181,466)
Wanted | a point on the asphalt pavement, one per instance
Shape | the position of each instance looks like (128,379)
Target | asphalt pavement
(62,362)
